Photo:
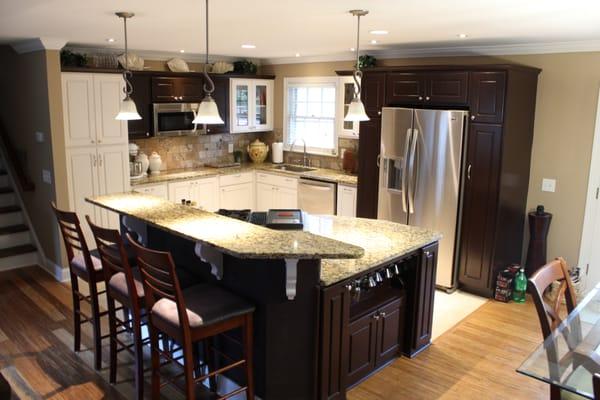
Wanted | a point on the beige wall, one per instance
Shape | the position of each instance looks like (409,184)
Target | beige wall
(29,104)
(564,126)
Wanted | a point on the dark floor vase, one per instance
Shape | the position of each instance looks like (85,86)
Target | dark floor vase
(539,226)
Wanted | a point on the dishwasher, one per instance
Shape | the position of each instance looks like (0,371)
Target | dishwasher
(317,197)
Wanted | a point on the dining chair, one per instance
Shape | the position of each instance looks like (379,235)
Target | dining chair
(596,383)
(190,316)
(88,268)
(124,286)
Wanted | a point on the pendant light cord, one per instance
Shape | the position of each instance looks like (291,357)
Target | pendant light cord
(357,75)
(209,85)
(128,89)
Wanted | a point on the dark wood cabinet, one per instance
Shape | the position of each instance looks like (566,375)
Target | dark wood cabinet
(487,96)
(373,93)
(447,88)
(221,96)
(420,281)
(177,89)
(362,343)
(141,128)
(390,331)
(368,168)
(479,207)
(405,88)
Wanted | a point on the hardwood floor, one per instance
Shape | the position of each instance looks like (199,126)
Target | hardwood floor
(474,360)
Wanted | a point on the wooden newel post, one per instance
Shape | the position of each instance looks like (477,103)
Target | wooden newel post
(539,225)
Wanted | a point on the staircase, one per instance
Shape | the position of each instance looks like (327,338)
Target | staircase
(16,247)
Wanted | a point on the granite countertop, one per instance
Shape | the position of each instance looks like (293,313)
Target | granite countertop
(347,246)
(192,173)
(231,236)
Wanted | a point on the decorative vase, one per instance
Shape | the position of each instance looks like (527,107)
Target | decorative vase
(257,151)
(155,163)
(143,158)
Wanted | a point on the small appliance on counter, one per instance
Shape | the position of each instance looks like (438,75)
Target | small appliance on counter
(284,219)
(136,166)
(277,153)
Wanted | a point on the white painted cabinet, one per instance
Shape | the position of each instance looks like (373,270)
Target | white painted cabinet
(251,102)
(158,190)
(347,129)
(237,197)
(90,105)
(346,201)
(204,192)
(275,191)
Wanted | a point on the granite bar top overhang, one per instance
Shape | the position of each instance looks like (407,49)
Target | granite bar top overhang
(237,238)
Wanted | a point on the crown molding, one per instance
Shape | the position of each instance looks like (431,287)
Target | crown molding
(158,55)
(457,51)
(38,44)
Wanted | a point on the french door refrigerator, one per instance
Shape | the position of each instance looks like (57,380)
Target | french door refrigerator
(420,176)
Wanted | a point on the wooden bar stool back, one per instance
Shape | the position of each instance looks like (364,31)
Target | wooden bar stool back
(209,312)
(88,268)
(123,285)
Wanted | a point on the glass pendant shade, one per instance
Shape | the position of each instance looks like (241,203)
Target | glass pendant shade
(128,110)
(208,113)
(356,111)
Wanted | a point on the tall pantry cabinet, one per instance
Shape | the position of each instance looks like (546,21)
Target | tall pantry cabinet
(96,144)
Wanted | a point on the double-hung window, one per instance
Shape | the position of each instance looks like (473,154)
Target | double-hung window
(311,114)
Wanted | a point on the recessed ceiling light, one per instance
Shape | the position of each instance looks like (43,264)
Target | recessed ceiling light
(110,40)
(182,51)
(297,54)
(373,41)
(379,32)
(462,35)
(352,49)
(248,46)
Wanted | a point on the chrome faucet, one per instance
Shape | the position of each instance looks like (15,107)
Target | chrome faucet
(304,157)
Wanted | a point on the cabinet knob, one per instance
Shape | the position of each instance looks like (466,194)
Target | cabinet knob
(427,254)
(420,97)
(382,314)
(427,98)
(376,317)
(92,141)
(99,141)
(147,133)
(472,118)
(378,112)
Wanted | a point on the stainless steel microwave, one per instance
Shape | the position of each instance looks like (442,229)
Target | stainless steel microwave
(175,119)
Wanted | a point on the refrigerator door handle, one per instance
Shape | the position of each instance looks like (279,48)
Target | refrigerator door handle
(405,166)
(411,186)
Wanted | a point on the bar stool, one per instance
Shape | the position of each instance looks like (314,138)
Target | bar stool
(88,268)
(123,285)
(195,314)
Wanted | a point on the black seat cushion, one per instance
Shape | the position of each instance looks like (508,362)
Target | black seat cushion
(206,305)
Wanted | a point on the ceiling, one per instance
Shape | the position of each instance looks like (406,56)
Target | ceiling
(282,28)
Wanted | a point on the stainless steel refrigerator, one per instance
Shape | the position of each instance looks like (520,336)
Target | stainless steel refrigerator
(420,176)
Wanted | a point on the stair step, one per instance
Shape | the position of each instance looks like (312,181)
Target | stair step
(16,250)
(7,199)
(9,209)
(19,259)
(13,229)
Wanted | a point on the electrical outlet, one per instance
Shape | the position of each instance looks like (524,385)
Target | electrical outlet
(47,176)
(230,147)
(39,137)
(548,185)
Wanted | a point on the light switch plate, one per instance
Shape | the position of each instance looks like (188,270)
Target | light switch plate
(39,137)
(46,176)
(230,147)
(548,185)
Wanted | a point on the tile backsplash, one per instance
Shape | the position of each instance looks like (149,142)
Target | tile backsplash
(195,151)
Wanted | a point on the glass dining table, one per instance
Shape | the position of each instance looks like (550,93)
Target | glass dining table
(570,356)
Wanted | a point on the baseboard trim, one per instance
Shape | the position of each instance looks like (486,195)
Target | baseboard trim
(56,271)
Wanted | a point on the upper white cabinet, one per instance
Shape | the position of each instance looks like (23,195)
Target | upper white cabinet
(251,102)
(203,192)
(90,104)
(346,201)
(275,191)
(346,129)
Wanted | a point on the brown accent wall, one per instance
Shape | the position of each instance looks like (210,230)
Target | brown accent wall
(30,102)
(564,126)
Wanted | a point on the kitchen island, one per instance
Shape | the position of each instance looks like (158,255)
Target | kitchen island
(334,302)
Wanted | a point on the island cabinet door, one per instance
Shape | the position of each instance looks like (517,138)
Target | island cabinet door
(362,342)
(389,331)
(423,291)
(335,316)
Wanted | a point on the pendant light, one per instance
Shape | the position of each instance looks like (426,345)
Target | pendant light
(128,110)
(356,109)
(208,112)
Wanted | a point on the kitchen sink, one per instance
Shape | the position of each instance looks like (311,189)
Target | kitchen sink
(294,168)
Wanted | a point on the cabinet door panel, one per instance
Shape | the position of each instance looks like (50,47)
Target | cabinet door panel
(373,93)
(177,89)
(160,190)
(286,198)
(240,98)
(265,197)
(206,194)
(180,191)
(237,197)
(391,318)
(487,96)
(479,209)
(113,176)
(361,347)
(141,128)
(346,201)
(262,107)
(447,88)
(78,109)
(405,88)
(221,96)
(424,298)
(108,93)
(368,170)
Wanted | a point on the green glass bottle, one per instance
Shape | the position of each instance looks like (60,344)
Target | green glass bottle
(520,287)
